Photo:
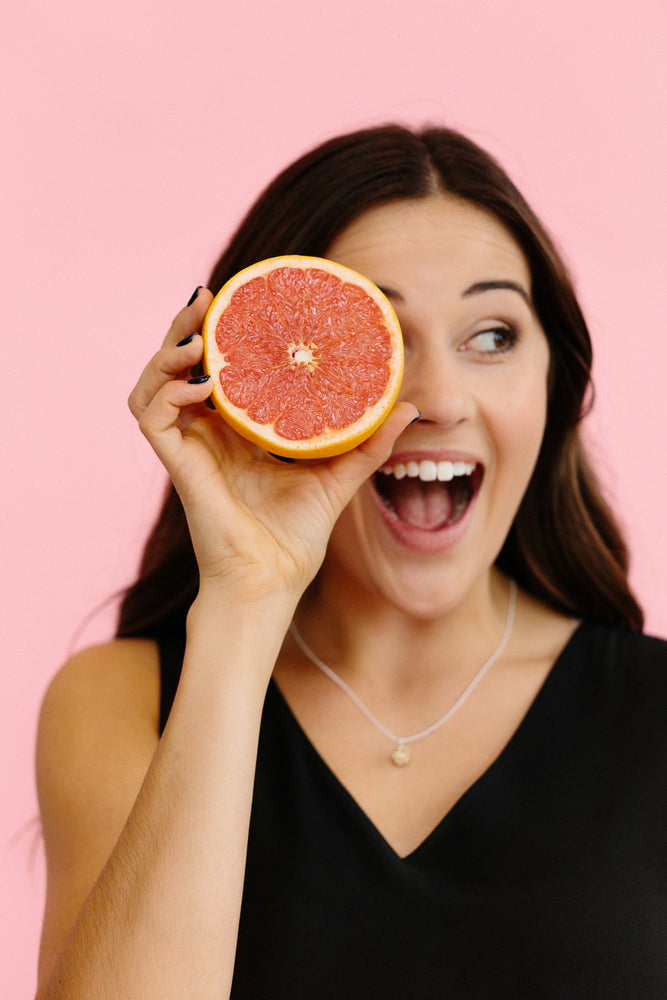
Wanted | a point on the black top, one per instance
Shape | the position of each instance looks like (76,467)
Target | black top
(546,881)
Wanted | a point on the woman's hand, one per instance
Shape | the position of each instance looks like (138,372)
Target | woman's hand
(257,523)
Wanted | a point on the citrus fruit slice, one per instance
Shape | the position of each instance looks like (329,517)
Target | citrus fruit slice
(305,355)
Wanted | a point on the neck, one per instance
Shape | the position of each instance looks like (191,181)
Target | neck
(381,648)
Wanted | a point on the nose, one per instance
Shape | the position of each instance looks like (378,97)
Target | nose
(436,384)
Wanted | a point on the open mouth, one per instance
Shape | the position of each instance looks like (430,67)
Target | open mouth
(427,494)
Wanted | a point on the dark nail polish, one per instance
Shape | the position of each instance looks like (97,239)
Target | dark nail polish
(415,419)
(195,294)
(186,340)
(198,379)
(209,402)
(281,458)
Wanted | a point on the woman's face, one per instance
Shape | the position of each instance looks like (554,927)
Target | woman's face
(476,365)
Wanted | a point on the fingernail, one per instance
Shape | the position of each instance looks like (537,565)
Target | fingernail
(198,379)
(281,458)
(415,419)
(195,294)
(186,340)
(209,402)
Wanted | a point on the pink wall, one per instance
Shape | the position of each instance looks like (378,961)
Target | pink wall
(134,138)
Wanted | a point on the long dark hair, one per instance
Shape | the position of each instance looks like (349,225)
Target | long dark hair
(564,546)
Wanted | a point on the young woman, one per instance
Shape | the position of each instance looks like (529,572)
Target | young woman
(365,733)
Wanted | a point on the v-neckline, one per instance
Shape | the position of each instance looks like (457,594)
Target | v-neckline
(520,734)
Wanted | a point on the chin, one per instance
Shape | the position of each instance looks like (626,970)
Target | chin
(423,572)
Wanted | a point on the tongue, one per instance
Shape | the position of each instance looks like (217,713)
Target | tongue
(423,505)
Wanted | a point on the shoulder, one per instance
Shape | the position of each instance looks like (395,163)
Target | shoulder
(622,653)
(116,682)
(620,680)
(97,734)
(99,714)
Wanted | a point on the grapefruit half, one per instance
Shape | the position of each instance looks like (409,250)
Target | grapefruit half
(305,356)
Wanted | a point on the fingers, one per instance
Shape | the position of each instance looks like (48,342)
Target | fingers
(159,421)
(171,362)
(182,349)
(190,318)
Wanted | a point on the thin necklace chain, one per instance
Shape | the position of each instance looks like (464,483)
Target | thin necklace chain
(401,741)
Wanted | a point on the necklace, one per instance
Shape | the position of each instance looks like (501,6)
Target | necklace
(401,754)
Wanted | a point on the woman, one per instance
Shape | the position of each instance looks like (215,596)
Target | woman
(266,845)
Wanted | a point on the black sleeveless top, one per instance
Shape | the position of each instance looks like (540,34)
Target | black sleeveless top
(546,881)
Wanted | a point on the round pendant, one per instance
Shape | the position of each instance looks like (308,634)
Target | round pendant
(401,755)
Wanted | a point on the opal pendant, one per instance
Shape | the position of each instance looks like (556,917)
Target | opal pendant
(401,755)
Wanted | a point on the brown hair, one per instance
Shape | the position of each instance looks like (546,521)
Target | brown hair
(564,546)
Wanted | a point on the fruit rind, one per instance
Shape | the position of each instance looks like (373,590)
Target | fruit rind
(330,442)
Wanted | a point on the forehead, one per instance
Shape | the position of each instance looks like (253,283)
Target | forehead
(441,237)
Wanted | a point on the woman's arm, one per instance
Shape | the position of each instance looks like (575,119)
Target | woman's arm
(161,919)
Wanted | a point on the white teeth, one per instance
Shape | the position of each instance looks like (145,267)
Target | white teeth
(428,471)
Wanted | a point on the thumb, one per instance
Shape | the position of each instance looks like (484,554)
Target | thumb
(352,468)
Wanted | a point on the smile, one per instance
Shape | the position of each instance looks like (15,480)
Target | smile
(426,494)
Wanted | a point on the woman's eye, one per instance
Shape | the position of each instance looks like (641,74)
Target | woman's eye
(495,341)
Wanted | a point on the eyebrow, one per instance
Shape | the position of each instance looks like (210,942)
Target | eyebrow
(491,286)
(477,289)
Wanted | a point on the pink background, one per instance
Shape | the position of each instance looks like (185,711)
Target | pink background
(136,135)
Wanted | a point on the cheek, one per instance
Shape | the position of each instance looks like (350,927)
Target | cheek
(521,428)
(346,543)
(354,547)
(531,409)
